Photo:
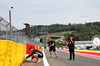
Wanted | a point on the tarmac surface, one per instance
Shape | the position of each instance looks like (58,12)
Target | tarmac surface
(62,60)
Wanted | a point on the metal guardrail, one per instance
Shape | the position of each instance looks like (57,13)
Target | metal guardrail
(14,34)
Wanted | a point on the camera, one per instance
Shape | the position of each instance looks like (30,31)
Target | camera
(11,6)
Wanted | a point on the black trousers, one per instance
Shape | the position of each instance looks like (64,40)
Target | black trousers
(72,53)
(40,56)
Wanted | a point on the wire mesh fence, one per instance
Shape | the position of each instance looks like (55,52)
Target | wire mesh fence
(12,34)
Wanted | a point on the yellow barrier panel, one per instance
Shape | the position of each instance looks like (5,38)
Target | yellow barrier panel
(11,53)
(38,47)
(21,53)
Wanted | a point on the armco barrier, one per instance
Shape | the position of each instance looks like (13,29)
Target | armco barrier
(11,53)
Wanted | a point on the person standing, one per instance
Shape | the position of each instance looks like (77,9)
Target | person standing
(71,47)
(41,42)
(51,45)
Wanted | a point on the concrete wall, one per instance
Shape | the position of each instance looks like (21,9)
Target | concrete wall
(11,53)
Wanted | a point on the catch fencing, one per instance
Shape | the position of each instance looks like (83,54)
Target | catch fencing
(7,33)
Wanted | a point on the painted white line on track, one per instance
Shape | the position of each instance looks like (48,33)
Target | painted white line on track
(81,54)
(45,62)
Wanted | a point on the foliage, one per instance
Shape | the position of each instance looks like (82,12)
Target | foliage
(58,44)
(82,31)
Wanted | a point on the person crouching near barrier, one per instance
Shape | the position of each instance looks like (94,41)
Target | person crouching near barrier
(36,54)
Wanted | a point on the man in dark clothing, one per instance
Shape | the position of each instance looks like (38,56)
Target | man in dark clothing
(71,47)
(41,42)
(51,45)
(36,54)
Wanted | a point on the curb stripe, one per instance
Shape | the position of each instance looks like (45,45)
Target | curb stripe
(84,55)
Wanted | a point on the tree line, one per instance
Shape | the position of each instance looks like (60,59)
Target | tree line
(80,31)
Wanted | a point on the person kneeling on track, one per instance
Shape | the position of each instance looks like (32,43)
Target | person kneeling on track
(36,54)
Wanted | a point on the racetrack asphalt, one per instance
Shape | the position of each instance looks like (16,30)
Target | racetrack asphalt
(62,60)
